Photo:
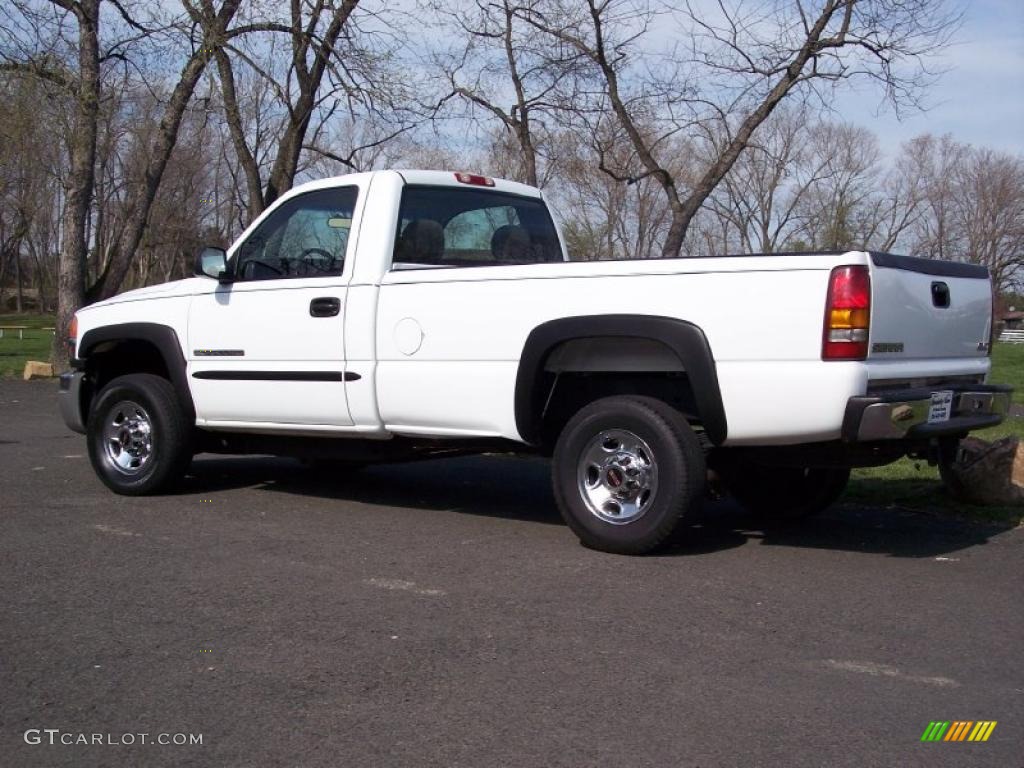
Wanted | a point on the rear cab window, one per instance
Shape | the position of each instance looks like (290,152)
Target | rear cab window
(454,227)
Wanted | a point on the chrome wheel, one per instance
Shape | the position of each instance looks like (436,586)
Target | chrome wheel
(128,437)
(617,476)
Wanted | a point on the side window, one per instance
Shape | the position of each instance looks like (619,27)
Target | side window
(469,227)
(305,237)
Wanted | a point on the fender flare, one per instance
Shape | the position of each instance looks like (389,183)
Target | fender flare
(686,341)
(162,337)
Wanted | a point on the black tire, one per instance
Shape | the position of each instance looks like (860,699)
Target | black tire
(785,494)
(170,444)
(669,503)
(948,454)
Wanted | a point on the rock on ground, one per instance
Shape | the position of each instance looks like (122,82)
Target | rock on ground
(36,370)
(987,473)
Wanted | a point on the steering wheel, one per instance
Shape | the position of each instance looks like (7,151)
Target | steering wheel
(327,256)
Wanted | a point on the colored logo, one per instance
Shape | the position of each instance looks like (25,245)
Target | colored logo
(958,730)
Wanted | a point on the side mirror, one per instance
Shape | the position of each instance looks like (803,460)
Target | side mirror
(213,262)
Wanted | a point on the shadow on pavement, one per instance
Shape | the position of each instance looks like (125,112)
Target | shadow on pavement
(845,527)
(513,488)
(520,489)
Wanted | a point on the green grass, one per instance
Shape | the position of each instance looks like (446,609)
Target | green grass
(1008,368)
(909,484)
(32,321)
(36,345)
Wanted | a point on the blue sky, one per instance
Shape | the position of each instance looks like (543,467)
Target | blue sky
(980,99)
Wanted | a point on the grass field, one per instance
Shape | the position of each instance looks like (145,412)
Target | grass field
(1008,368)
(35,346)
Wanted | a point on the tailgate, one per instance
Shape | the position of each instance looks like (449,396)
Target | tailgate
(926,309)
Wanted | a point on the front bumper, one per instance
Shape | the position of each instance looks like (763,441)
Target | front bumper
(70,398)
(904,413)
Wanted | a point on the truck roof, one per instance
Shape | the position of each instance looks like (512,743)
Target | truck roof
(418,176)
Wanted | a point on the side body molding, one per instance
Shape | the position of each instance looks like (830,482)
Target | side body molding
(686,341)
(160,336)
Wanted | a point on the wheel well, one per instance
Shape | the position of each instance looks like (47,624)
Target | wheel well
(110,359)
(570,391)
(122,348)
(580,371)
(569,362)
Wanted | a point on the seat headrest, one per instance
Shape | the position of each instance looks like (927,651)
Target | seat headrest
(422,241)
(510,243)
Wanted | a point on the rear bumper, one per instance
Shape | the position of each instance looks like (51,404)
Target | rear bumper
(902,414)
(70,398)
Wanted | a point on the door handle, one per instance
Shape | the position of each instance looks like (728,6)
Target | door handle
(325,306)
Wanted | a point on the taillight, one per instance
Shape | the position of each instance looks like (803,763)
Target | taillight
(475,179)
(847,314)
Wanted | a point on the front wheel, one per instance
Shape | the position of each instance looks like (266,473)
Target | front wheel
(627,473)
(138,435)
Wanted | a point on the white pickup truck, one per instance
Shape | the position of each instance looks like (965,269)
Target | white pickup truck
(398,314)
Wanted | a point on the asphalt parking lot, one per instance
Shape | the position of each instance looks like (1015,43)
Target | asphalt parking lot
(441,614)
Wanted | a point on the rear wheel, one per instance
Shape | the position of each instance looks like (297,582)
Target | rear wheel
(948,456)
(138,435)
(627,473)
(785,493)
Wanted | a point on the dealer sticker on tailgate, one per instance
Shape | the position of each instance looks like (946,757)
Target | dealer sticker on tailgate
(941,407)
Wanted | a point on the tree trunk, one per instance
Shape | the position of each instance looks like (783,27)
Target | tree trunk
(253,182)
(71,271)
(20,297)
(523,126)
(529,152)
(40,271)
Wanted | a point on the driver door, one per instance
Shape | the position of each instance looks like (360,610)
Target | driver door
(269,348)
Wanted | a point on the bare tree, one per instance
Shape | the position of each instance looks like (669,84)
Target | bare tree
(604,219)
(309,60)
(935,162)
(79,185)
(82,77)
(833,205)
(214,24)
(970,206)
(744,60)
(992,215)
(505,73)
(336,80)
(760,200)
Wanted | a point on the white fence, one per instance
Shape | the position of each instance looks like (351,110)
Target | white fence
(1013,337)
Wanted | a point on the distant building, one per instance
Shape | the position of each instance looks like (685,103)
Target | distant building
(1010,320)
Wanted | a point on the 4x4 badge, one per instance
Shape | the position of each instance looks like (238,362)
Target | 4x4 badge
(887,347)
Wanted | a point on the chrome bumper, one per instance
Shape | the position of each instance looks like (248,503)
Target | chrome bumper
(69,397)
(897,414)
